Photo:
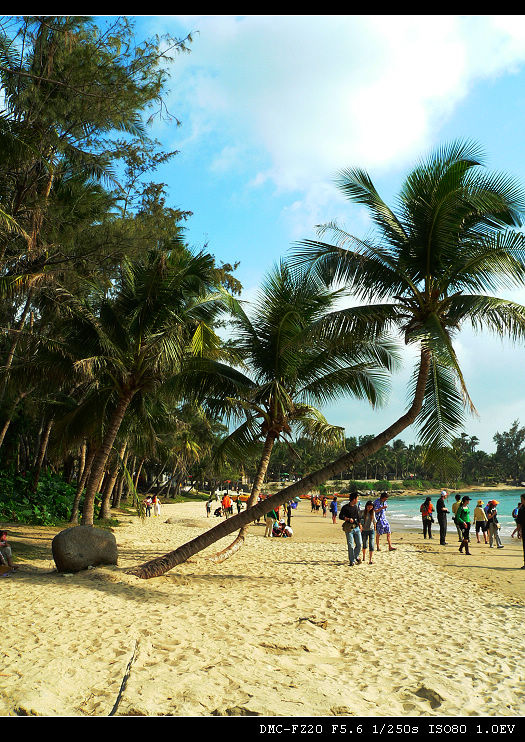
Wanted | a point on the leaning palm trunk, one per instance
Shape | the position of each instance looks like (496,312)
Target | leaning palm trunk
(160,565)
(230,550)
(101,458)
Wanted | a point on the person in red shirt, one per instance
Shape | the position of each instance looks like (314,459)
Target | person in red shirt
(426,513)
(226,505)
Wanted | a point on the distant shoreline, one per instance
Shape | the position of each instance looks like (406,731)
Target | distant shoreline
(415,493)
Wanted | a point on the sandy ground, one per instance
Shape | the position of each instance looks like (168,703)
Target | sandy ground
(284,628)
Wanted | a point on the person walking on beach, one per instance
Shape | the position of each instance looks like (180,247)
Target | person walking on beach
(480,519)
(515,516)
(441,509)
(426,513)
(368,531)
(463,519)
(520,520)
(333,509)
(455,507)
(492,518)
(352,528)
(324,503)
(208,507)
(156,505)
(226,505)
(148,502)
(382,524)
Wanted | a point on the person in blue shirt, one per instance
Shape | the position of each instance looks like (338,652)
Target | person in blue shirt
(333,509)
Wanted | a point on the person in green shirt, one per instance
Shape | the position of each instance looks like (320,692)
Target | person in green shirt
(271,518)
(463,521)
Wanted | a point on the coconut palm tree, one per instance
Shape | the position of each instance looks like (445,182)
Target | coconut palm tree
(430,268)
(131,342)
(292,361)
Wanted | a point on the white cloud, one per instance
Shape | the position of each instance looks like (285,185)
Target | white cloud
(317,92)
(303,96)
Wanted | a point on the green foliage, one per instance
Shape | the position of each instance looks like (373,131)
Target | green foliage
(50,505)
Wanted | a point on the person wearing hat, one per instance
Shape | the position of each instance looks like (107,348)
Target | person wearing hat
(492,518)
(426,510)
(480,519)
(441,509)
(463,522)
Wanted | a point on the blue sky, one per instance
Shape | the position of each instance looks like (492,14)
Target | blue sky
(273,106)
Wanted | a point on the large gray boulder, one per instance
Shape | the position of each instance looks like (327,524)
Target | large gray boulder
(81,547)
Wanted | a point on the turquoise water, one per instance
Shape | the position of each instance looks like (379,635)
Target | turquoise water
(403,512)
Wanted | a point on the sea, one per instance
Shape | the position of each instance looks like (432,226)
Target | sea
(403,511)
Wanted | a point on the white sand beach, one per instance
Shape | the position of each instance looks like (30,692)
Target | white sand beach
(283,628)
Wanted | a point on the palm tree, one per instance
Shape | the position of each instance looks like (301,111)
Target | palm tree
(427,271)
(134,340)
(292,359)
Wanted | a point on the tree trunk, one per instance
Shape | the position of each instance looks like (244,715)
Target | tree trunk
(42,453)
(101,458)
(161,565)
(117,492)
(11,354)
(10,414)
(136,482)
(82,483)
(234,547)
(82,461)
(105,507)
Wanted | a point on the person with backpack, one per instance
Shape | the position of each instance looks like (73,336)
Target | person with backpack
(426,510)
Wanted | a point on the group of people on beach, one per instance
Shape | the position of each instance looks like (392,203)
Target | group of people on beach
(152,502)
(223,506)
(363,526)
(485,520)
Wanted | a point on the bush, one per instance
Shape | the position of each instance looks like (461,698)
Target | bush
(50,505)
